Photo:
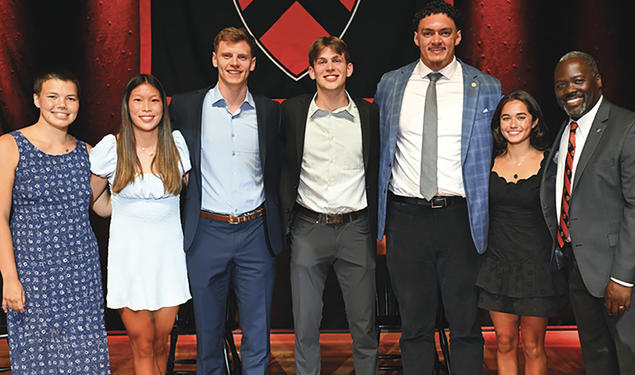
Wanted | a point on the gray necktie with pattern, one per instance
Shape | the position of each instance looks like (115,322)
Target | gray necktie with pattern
(428,177)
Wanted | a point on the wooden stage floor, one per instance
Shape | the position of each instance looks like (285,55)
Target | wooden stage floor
(563,352)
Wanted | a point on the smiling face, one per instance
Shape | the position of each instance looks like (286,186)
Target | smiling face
(436,37)
(330,70)
(234,63)
(58,102)
(576,86)
(516,122)
(146,107)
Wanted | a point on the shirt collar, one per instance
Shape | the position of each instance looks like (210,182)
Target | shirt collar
(448,71)
(217,99)
(347,111)
(585,122)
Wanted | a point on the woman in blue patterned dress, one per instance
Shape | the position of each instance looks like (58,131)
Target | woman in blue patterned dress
(48,254)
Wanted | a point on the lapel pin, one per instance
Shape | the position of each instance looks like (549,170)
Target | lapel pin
(599,130)
(473,84)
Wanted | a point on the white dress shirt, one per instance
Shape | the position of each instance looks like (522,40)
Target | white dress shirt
(407,165)
(332,177)
(584,127)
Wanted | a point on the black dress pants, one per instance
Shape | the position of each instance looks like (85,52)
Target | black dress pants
(431,251)
(603,351)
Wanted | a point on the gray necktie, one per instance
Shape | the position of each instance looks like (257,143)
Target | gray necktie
(428,178)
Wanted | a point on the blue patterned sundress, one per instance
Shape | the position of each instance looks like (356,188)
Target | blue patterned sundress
(62,330)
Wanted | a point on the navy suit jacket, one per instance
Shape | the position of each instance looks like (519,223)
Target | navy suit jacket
(186,114)
(481,94)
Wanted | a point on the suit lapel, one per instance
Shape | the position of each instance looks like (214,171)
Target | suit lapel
(262,133)
(363,119)
(471,87)
(196,147)
(397,97)
(548,184)
(301,114)
(593,138)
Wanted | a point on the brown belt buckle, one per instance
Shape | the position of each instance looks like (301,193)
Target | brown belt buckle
(331,219)
(438,202)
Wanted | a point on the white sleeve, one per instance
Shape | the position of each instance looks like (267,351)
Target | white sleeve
(103,157)
(184,154)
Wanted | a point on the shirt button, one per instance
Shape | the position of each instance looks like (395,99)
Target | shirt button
(233,135)
(233,154)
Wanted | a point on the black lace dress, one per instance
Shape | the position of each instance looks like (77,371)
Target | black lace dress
(515,276)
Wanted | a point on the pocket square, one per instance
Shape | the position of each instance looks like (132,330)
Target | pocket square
(485,110)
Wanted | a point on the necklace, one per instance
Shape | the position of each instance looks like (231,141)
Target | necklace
(149,153)
(518,164)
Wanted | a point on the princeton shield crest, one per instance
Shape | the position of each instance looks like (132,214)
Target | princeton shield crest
(285,29)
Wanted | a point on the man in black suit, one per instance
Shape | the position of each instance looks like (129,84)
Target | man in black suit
(231,216)
(588,193)
(329,201)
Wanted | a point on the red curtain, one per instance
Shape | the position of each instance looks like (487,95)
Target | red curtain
(98,40)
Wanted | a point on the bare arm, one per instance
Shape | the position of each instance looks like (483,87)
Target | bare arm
(100,202)
(12,292)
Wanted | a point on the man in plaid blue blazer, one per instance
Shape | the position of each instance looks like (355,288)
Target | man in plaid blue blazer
(434,242)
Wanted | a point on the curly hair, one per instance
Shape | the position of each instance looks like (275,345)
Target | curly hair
(436,7)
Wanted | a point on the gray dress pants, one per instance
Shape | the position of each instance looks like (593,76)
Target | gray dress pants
(351,250)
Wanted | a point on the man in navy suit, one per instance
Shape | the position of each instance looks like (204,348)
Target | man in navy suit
(231,215)
(436,148)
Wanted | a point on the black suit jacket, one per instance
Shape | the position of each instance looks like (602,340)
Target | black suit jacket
(186,115)
(294,118)
(602,207)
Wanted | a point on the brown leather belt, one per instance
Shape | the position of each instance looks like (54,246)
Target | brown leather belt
(331,218)
(247,216)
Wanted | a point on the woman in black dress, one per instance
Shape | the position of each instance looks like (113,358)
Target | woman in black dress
(516,282)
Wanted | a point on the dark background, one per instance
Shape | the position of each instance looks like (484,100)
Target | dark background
(518,42)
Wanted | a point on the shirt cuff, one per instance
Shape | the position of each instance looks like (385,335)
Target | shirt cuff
(622,283)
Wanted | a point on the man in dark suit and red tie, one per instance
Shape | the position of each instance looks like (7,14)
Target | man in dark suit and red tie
(231,217)
(588,193)
(329,201)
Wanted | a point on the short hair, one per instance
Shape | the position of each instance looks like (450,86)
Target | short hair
(235,35)
(436,7)
(539,135)
(584,56)
(61,74)
(337,44)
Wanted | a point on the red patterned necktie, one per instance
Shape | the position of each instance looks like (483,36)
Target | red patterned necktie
(563,228)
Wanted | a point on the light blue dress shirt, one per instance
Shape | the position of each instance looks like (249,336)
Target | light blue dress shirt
(231,169)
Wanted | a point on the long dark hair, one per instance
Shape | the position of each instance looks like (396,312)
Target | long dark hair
(538,137)
(166,159)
